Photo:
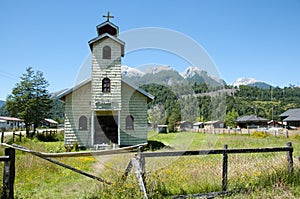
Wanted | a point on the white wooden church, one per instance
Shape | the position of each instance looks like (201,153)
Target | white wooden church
(104,109)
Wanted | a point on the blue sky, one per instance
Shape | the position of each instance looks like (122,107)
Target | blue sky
(257,38)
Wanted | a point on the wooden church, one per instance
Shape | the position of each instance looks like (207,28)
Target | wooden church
(105,109)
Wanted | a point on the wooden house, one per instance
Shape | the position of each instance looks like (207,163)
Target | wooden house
(105,109)
(10,123)
(251,121)
(291,117)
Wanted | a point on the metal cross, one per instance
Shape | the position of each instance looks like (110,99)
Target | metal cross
(108,16)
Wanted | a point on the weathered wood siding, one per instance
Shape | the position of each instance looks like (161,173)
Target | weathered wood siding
(135,104)
(77,104)
(110,68)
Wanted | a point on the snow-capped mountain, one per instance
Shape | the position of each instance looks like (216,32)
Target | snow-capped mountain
(191,71)
(131,72)
(244,81)
(251,82)
(166,74)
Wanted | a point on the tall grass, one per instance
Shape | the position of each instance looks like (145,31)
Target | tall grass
(250,175)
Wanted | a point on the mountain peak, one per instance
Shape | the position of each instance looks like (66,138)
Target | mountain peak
(245,81)
(191,71)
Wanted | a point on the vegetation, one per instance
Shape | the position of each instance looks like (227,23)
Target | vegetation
(30,99)
(207,104)
(250,175)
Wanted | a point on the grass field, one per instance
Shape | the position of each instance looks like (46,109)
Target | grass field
(249,175)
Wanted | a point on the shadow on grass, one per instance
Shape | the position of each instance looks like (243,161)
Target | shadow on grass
(154,145)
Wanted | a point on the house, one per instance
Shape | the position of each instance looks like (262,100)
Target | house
(162,128)
(214,124)
(105,109)
(10,123)
(184,126)
(197,126)
(291,117)
(50,123)
(251,121)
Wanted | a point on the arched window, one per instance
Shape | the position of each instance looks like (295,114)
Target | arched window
(106,85)
(106,54)
(82,123)
(129,122)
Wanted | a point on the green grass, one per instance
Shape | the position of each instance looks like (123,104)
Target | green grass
(249,175)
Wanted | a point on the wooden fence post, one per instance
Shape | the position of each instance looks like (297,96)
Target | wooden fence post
(20,137)
(290,157)
(2,137)
(13,136)
(9,174)
(225,169)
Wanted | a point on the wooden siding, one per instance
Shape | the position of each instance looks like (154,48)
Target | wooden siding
(135,104)
(78,103)
(102,68)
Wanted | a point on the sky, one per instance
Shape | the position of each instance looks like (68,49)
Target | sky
(249,38)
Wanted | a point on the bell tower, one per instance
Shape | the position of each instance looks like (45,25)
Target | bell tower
(107,50)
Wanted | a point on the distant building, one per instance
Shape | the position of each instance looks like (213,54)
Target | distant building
(49,123)
(214,124)
(10,123)
(197,126)
(184,126)
(291,117)
(162,128)
(251,121)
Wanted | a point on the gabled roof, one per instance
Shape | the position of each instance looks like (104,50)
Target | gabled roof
(83,83)
(251,118)
(10,119)
(70,90)
(291,112)
(291,115)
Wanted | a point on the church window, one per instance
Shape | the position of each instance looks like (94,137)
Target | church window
(129,122)
(106,85)
(106,54)
(82,123)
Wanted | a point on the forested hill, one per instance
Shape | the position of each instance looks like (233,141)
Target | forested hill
(245,100)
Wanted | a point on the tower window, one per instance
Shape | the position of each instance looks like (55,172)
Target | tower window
(82,123)
(106,54)
(106,85)
(129,122)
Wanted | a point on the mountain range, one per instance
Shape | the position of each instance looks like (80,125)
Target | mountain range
(2,103)
(168,76)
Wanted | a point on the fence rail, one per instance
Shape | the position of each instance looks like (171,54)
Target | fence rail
(138,162)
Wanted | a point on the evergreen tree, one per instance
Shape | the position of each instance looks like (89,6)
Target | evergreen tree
(30,99)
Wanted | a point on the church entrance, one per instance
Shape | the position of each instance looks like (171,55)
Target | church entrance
(106,129)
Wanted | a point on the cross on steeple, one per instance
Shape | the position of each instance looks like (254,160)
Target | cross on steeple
(108,16)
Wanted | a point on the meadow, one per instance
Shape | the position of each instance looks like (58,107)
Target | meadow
(249,175)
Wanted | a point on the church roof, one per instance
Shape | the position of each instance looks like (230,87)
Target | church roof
(89,80)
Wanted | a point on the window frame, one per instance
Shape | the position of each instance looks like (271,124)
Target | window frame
(106,52)
(106,85)
(129,122)
(83,123)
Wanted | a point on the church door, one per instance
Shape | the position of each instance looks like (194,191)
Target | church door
(106,129)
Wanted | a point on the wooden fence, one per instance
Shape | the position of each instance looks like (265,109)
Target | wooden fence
(14,134)
(138,162)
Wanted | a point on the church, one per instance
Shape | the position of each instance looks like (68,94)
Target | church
(104,109)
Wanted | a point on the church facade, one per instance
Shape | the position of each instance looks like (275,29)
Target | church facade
(104,109)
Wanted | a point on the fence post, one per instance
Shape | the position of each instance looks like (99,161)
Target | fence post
(9,174)
(2,137)
(290,157)
(225,168)
(13,136)
(20,137)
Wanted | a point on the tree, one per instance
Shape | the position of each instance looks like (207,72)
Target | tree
(231,117)
(30,99)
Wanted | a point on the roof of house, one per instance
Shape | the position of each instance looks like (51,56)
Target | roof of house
(68,91)
(10,118)
(291,115)
(251,118)
(51,121)
(198,123)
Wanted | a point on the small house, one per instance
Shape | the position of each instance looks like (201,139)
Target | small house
(197,126)
(10,123)
(251,121)
(291,117)
(162,128)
